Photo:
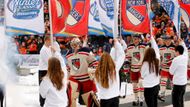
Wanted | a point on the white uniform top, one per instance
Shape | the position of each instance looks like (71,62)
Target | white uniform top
(56,46)
(54,97)
(179,68)
(118,55)
(45,54)
(150,79)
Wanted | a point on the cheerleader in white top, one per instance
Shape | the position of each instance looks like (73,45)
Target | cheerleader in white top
(54,84)
(107,76)
(150,74)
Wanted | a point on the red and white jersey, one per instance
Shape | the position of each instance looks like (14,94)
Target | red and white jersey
(79,62)
(167,54)
(135,55)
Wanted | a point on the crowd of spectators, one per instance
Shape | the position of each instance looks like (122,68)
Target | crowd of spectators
(29,44)
(163,25)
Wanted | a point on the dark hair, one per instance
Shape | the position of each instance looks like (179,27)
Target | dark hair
(153,62)
(55,72)
(107,48)
(179,49)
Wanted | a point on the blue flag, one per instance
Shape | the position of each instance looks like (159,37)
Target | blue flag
(173,9)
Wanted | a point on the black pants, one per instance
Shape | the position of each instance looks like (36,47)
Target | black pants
(41,74)
(113,102)
(1,96)
(150,95)
(177,95)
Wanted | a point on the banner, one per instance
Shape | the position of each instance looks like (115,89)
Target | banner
(59,10)
(1,12)
(27,61)
(185,11)
(135,16)
(106,15)
(173,10)
(94,25)
(77,21)
(24,17)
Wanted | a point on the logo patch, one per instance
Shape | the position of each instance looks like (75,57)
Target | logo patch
(25,9)
(135,12)
(76,64)
(167,56)
(137,55)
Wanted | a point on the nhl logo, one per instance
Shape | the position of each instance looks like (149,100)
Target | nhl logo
(136,13)
(76,64)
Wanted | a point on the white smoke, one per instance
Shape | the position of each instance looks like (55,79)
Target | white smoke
(8,77)
(3,67)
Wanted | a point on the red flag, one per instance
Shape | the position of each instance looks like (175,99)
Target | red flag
(60,10)
(185,10)
(135,16)
(77,21)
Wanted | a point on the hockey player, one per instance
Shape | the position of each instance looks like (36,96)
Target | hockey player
(79,60)
(167,53)
(135,54)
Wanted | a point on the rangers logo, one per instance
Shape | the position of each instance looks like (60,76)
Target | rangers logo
(94,11)
(25,9)
(137,56)
(167,56)
(76,64)
(108,6)
(135,12)
(76,13)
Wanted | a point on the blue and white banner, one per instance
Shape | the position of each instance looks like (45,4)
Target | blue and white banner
(24,17)
(106,15)
(173,9)
(94,25)
(1,12)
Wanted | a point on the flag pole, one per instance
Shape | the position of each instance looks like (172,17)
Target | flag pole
(149,10)
(115,30)
(179,22)
(50,21)
(120,17)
